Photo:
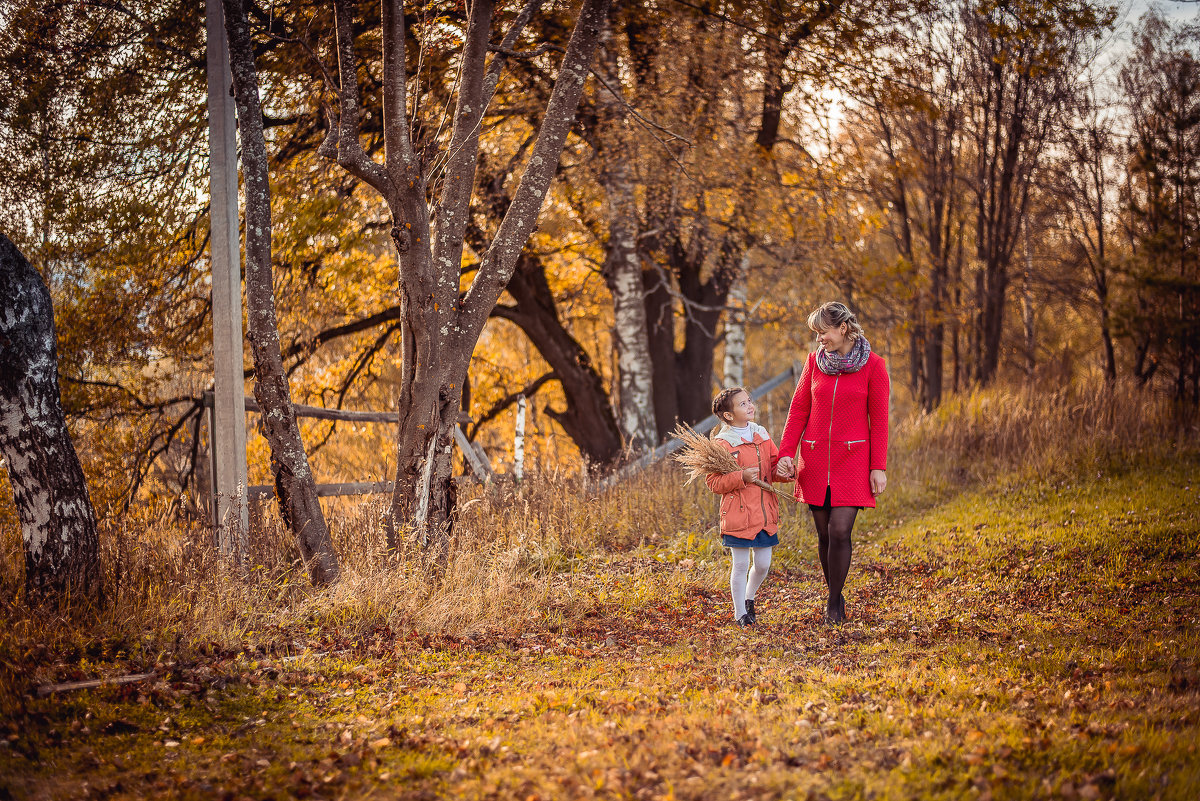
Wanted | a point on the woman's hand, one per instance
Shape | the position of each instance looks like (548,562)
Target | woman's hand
(878,481)
(749,474)
(785,467)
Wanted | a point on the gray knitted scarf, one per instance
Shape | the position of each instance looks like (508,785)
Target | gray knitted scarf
(833,363)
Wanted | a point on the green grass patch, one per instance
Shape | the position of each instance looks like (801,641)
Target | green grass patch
(1025,639)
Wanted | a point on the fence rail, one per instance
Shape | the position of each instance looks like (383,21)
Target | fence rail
(476,459)
(702,427)
(474,455)
(260,492)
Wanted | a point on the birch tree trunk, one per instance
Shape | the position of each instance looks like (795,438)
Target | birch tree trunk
(623,275)
(295,487)
(58,524)
(623,266)
(735,327)
(440,328)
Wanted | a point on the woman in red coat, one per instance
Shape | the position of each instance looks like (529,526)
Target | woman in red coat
(836,439)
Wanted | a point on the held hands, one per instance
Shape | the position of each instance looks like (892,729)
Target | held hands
(786,467)
(878,481)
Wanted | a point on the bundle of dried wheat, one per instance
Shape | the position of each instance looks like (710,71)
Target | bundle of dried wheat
(702,456)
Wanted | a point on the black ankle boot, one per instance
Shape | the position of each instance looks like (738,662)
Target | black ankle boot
(833,611)
(750,610)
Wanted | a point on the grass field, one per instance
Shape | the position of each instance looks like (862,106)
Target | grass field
(1031,638)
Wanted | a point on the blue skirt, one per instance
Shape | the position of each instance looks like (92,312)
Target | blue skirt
(761,540)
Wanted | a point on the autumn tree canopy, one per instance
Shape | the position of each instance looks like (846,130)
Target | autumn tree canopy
(994,201)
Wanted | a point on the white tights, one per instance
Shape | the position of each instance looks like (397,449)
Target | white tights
(741,589)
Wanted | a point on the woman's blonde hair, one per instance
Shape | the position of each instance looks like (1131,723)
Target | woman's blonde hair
(833,314)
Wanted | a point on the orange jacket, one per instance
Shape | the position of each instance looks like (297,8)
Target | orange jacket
(747,509)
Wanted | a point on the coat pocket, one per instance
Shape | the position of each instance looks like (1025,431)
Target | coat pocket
(733,505)
(847,454)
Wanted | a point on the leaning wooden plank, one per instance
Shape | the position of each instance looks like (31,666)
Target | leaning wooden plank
(470,455)
(483,458)
(47,689)
(703,427)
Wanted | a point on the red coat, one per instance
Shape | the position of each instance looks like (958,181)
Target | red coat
(840,424)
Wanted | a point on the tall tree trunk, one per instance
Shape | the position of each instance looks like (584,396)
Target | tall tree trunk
(58,524)
(622,267)
(916,350)
(441,327)
(694,364)
(1110,358)
(935,330)
(960,375)
(623,275)
(294,484)
(588,418)
(976,333)
(956,355)
(995,296)
(660,322)
(1027,309)
(734,365)
(935,337)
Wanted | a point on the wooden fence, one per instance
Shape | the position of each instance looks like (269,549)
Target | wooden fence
(475,457)
(703,427)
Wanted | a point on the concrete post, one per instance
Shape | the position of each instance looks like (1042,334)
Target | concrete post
(228,431)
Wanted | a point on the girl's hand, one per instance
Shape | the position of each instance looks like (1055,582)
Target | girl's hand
(878,481)
(749,474)
(786,467)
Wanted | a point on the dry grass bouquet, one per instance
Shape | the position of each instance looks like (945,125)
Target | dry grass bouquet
(702,456)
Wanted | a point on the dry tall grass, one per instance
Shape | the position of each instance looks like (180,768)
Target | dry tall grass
(169,592)
(522,553)
(1030,432)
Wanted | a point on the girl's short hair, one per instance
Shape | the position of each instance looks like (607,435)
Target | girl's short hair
(833,314)
(723,403)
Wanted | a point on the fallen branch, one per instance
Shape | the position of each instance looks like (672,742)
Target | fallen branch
(47,689)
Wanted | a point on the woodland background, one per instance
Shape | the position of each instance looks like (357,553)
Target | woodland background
(1004,193)
(1008,194)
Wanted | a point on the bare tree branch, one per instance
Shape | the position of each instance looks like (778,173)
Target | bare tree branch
(508,400)
(530,195)
(350,153)
(454,203)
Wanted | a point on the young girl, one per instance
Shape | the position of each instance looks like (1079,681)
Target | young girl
(749,513)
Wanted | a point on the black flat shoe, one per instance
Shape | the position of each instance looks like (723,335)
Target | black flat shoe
(750,611)
(745,621)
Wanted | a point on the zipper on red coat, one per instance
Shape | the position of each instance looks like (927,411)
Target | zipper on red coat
(762,494)
(829,446)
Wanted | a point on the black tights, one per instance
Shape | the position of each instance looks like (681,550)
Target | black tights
(834,524)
